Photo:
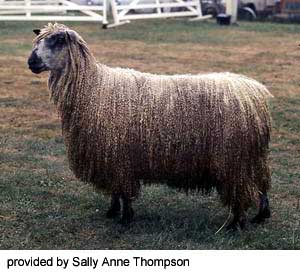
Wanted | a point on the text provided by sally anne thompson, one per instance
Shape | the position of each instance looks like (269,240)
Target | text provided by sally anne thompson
(95,263)
(145,263)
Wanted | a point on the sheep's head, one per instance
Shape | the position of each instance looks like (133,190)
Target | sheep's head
(52,47)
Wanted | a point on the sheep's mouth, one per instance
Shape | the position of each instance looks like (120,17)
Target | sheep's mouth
(38,69)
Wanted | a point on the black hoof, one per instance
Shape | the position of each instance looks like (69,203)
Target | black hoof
(261,216)
(112,213)
(266,213)
(235,225)
(257,220)
(125,221)
(242,223)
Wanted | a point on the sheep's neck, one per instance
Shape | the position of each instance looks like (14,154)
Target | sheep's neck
(66,84)
(68,87)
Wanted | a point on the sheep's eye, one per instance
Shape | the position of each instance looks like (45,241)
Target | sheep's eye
(56,41)
(60,40)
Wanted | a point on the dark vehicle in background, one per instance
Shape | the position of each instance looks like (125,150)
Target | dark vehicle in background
(247,9)
(212,7)
(251,9)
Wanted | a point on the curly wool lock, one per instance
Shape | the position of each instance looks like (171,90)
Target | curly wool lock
(194,132)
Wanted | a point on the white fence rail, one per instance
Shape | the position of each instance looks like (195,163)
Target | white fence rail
(51,10)
(122,12)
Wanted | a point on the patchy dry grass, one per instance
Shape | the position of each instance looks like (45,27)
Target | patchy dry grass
(44,207)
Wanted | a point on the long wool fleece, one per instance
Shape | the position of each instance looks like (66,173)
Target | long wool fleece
(193,132)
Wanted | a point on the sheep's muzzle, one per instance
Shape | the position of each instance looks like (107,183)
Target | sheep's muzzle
(35,63)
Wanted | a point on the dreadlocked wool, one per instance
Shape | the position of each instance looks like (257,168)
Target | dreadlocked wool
(192,132)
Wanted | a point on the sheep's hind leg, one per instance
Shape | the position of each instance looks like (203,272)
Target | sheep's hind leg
(239,220)
(264,210)
(115,206)
(127,212)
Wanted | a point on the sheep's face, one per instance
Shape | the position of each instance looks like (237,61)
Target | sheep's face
(49,53)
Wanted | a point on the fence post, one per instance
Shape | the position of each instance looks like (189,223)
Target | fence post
(28,4)
(232,9)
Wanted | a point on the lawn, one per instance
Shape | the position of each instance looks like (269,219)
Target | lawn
(43,206)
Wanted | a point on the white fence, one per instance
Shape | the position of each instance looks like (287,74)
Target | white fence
(122,12)
(51,10)
(155,9)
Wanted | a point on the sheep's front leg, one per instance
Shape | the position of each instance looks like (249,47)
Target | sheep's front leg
(127,212)
(115,206)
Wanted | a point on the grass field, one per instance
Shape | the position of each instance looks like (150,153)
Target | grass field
(42,205)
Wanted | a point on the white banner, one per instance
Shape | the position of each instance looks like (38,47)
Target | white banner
(146,263)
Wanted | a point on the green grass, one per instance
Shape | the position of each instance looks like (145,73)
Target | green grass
(170,31)
(42,205)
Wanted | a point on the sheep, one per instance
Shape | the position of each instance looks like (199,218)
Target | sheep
(122,127)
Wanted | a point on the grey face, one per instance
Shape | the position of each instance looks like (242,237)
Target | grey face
(50,53)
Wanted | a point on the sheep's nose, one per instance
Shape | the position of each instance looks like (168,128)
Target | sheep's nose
(35,63)
(33,59)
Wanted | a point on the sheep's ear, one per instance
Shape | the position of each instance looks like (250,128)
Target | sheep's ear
(37,31)
(71,35)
